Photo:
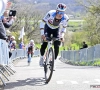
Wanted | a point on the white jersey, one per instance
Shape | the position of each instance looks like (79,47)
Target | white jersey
(49,19)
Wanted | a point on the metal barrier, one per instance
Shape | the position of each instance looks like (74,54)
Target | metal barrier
(18,53)
(6,62)
(86,55)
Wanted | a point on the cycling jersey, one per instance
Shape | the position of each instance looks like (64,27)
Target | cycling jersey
(54,23)
(30,45)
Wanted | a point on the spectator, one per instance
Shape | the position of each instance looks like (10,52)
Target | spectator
(8,41)
(12,39)
(8,20)
(13,45)
(21,45)
(4,4)
(84,45)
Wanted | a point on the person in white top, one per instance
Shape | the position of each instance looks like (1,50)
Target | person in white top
(51,25)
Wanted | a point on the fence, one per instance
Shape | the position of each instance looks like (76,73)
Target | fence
(86,55)
(6,63)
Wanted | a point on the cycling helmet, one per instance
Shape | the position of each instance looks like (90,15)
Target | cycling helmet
(13,37)
(61,7)
(31,41)
(14,42)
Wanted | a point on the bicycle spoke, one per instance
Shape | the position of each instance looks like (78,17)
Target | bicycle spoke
(48,66)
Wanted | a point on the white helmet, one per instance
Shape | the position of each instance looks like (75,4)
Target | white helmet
(13,37)
(14,42)
(61,7)
(31,41)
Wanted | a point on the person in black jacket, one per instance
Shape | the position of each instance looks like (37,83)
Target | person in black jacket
(84,45)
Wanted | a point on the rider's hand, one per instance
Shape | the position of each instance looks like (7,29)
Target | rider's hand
(43,37)
(62,39)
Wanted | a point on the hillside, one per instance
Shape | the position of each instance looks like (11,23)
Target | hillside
(72,5)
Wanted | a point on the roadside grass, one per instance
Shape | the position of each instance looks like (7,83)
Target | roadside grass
(75,25)
(83,63)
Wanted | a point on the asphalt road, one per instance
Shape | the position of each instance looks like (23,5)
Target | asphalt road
(66,77)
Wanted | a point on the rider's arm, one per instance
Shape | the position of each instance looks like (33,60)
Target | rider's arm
(64,25)
(42,27)
(42,23)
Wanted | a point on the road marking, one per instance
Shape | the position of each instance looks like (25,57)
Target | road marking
(86,82)
(98,80)
(59,82)
(74,82)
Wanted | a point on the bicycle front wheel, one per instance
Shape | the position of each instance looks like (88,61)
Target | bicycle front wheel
(48,65)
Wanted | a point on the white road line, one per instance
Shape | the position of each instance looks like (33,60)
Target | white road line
(59,82)
(74,82)
(86,82)
(98,80)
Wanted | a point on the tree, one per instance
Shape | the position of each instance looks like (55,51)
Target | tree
(29,18)
(91,26)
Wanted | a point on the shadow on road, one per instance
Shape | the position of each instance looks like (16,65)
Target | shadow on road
(26,82)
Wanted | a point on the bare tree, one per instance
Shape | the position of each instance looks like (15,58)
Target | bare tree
(28,17)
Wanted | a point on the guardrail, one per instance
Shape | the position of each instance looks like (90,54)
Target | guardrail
(6,62)
(87,54)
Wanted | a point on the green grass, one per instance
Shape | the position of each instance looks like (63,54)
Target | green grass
(74,25)
(73,47)
(38,45)
(83,63)
(96,63)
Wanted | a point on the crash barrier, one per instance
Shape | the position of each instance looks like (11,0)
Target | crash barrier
(36,53)
(82,55)
(6,64)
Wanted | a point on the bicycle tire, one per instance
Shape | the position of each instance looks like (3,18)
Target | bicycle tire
(49,66)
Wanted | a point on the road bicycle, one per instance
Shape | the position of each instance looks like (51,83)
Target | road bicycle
(49,59)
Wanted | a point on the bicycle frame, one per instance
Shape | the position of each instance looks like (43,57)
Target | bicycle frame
(49,46)
(49,61)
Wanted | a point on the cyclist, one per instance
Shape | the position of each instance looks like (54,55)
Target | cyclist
(30,50)
(51,25)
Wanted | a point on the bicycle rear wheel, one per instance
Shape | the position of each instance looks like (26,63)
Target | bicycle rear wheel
(48,65)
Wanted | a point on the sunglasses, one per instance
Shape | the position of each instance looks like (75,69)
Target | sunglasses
(60,13)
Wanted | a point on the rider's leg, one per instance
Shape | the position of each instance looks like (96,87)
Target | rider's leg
(56,48)
(47,32)
(42,51)
(29,58)
(56,51)
(56,43)
(43,47)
